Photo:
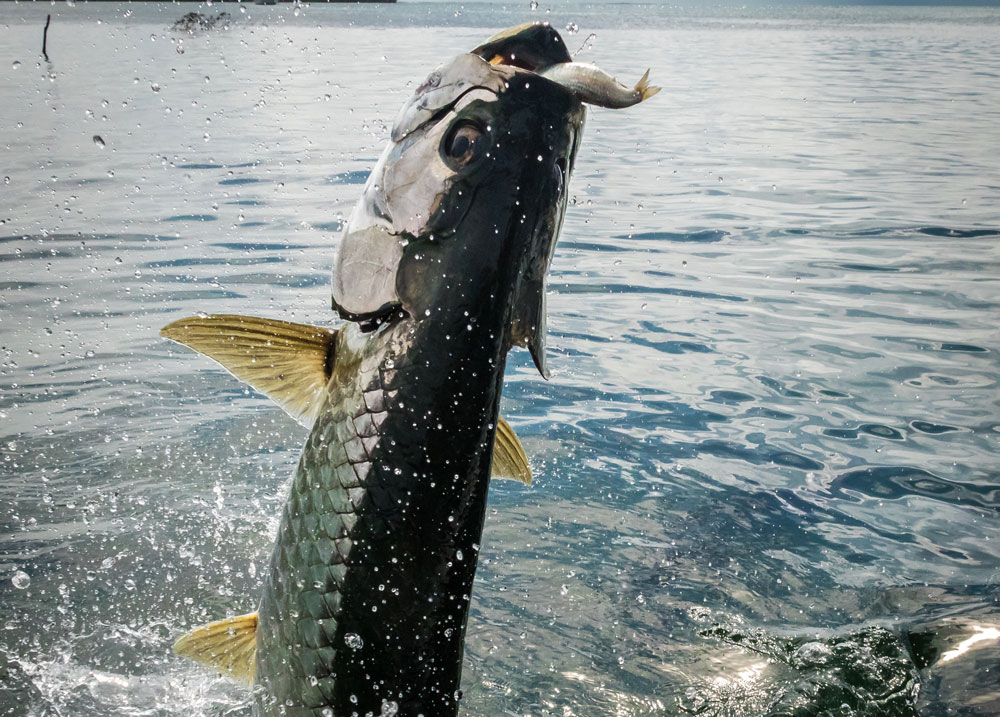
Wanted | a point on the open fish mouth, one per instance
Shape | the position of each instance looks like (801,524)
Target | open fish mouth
(538,48)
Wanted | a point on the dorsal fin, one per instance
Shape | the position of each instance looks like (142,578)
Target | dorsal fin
(290,363)
(509,459)
(228,645)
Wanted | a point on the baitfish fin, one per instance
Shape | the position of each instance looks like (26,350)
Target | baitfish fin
(229,645)
(290,363)
(509,459)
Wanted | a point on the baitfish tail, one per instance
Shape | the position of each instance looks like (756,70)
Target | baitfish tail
(645,89)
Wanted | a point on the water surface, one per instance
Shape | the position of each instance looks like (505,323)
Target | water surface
(766,462)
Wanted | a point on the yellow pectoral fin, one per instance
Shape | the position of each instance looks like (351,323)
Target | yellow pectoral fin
(290,363)
(229,645)
(509,459)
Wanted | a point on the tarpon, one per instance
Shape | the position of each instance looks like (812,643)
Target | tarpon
(440,271)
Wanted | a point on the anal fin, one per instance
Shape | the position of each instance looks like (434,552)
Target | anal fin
(229,645)
(509,459)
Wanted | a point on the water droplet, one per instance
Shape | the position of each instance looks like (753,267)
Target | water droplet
(533,5)
(99,141)
(389,708)
(154,87)
(572,28)
(458,555)
(389,363)
(621,660)
(17,64)
(21,580)
(353,640)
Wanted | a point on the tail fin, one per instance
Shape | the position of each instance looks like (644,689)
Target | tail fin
(644,89)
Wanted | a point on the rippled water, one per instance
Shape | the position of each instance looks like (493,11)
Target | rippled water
(766,463)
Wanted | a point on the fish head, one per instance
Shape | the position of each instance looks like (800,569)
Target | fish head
(461,214)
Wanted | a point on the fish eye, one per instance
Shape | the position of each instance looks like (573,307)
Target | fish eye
(465,143)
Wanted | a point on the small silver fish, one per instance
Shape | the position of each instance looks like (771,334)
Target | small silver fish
(596,87)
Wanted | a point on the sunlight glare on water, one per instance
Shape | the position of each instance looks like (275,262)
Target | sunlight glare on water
(765,464)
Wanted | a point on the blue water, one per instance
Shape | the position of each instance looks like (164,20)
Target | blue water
(766,462)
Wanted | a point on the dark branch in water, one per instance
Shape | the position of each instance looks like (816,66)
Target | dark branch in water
(45,36)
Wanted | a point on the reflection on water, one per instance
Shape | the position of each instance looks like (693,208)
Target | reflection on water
(981,633)
(765,464)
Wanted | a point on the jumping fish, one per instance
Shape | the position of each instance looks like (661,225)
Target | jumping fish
(440,271)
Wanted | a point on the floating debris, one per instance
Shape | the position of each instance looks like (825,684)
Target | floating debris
(195,21)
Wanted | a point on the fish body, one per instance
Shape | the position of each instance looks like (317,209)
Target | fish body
(379,540)
(596,87)
(440,271)
(365,602)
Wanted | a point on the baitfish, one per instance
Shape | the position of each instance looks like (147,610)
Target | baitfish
(439,273)
(596,87)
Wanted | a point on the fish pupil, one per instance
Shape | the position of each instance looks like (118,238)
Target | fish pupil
(464,144)
(460,146)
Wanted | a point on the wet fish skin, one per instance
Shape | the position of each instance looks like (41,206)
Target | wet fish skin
(596,87)
(366,599)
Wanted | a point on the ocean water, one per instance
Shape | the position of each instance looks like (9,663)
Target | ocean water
(767,476)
